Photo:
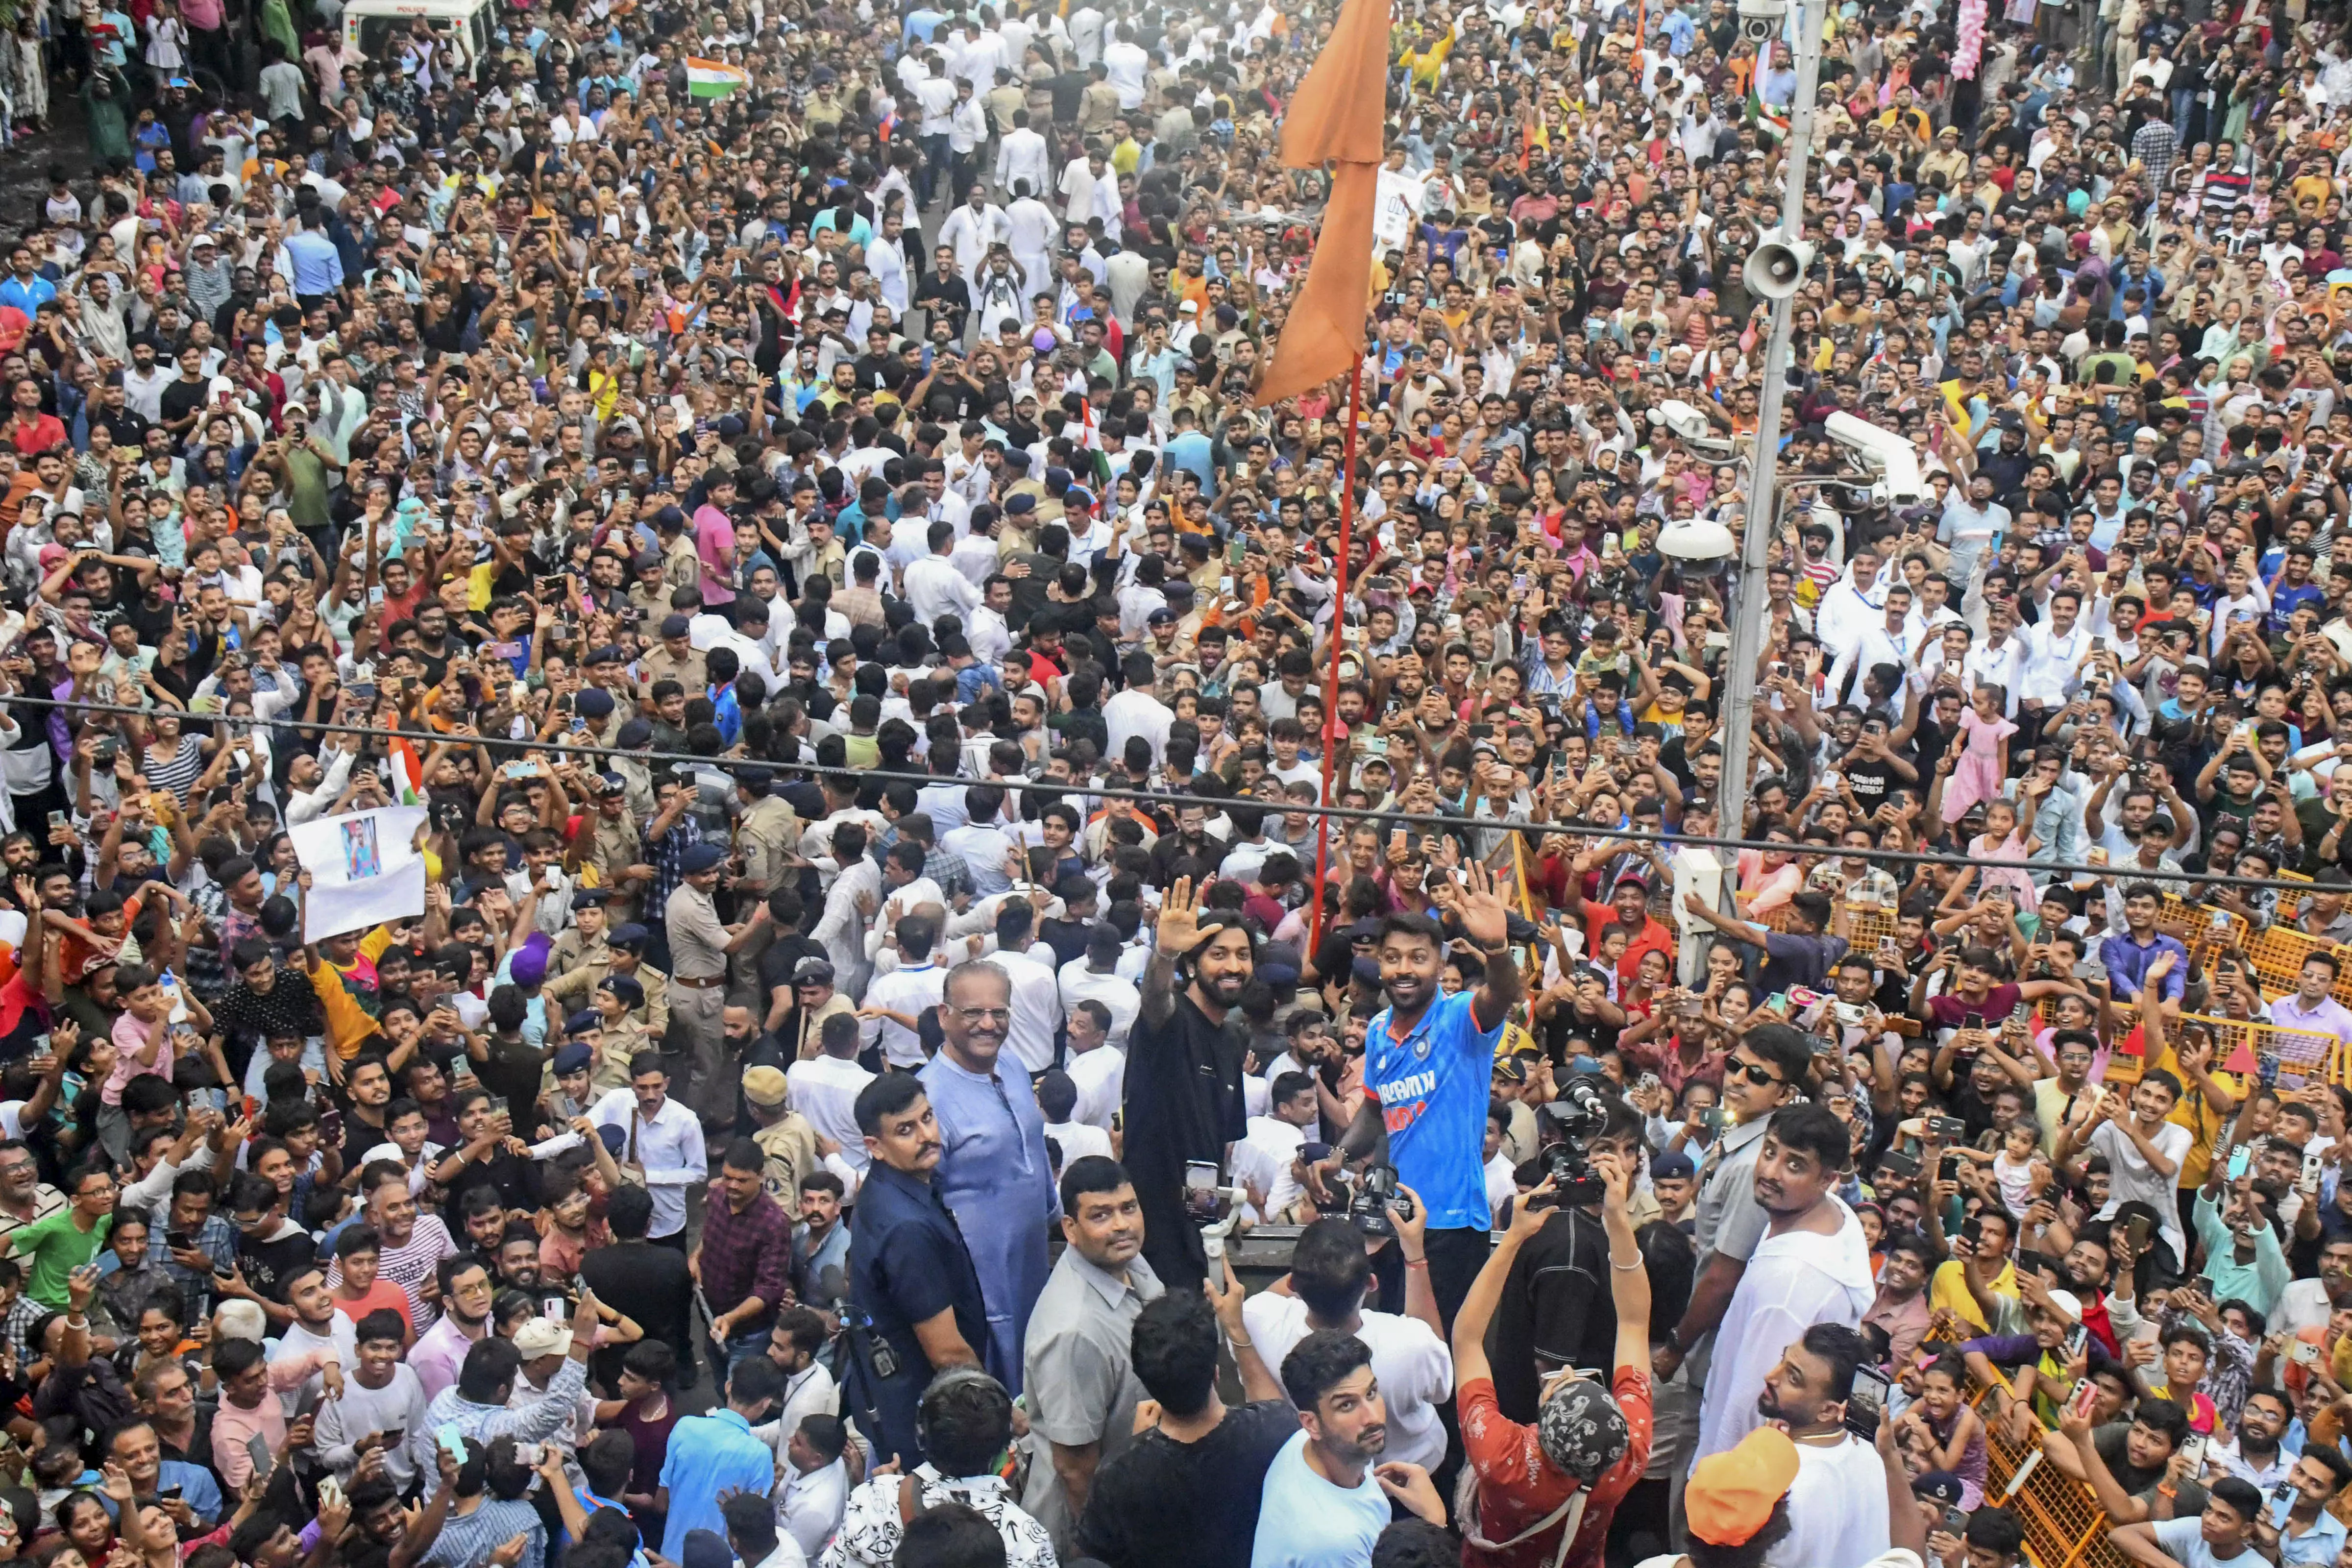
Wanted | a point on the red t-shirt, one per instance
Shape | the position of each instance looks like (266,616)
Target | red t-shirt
(1518,1487)
(1652,935)
(45,432)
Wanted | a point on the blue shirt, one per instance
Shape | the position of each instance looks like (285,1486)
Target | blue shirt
(2286,600)
(727,712)
(27,294)
(1306,1522)
(709,1456)
(196,1486)
(2126,961)
(1193,453)
(2183,1541)
(907,1263)
(2317,1546)
(1434,1085)
(318,265)
(996,1178)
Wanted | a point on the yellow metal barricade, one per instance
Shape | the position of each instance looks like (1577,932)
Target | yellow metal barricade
(2277,956)
(2299,1055)
(2064,1526)
(2290,904)
(1866,925)
(2206,930)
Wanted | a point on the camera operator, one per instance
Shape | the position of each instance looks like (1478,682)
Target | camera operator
(1589,1441)
(1555,1307)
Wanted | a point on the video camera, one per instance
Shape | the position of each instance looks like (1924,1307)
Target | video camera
(1577,1118)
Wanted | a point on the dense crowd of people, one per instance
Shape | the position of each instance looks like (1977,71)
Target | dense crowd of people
(780,493)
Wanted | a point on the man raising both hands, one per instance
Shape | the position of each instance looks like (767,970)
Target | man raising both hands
(1428,1072)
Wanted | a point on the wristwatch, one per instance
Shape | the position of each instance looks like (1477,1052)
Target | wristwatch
(1675,1342)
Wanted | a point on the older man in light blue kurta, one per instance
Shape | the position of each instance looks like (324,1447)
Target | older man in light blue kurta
(993,1173)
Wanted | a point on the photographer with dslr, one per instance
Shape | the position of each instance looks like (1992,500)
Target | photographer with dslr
(1555,1310)
(1566,1470)
(1428,1071)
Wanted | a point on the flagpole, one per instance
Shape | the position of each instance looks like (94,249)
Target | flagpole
(1339,641)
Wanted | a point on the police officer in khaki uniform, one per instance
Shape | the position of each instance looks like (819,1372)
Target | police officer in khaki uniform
(675,659)
(625,956)
(767,836)
(767,851)
(648,589)
(612,845)
(700,946)
(584,944)
(783,1135)
(814,1001)
(681,566)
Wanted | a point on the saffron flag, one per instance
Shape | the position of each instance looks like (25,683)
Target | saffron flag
(1336,117)
(1336,114)
(713,78)
(1325,333)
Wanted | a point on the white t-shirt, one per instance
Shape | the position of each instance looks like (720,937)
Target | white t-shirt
(1793,1279)
(2304,1304)
(824,1089)
(1501,1185)
(1895,1557)
(1837,1507)
(2130,1176)
(1411,1363)
(2183,1541)
(1101,1077)
(1078,1139)
(1269,1147)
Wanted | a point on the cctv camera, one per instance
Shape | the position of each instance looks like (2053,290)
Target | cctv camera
(1691,428)
(1761,21)
(1884,452)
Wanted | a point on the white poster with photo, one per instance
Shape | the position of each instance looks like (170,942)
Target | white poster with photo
(365,869)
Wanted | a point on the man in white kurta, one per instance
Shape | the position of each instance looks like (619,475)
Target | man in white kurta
(1812,1266)
(972,228)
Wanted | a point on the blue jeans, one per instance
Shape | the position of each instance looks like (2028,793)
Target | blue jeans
(938,155)
(739,1347)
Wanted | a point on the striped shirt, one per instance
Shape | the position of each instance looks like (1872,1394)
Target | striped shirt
(468,1539)
(410,1265)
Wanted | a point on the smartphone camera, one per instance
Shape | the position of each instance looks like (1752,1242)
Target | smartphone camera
(1200,1192)
(1867,1404)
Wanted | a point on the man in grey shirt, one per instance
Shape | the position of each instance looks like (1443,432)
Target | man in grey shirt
(1078,1376)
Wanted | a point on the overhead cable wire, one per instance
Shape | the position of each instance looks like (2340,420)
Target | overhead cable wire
(1164,798)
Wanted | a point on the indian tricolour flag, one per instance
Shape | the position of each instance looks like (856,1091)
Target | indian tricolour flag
(713,78)
(407,773)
